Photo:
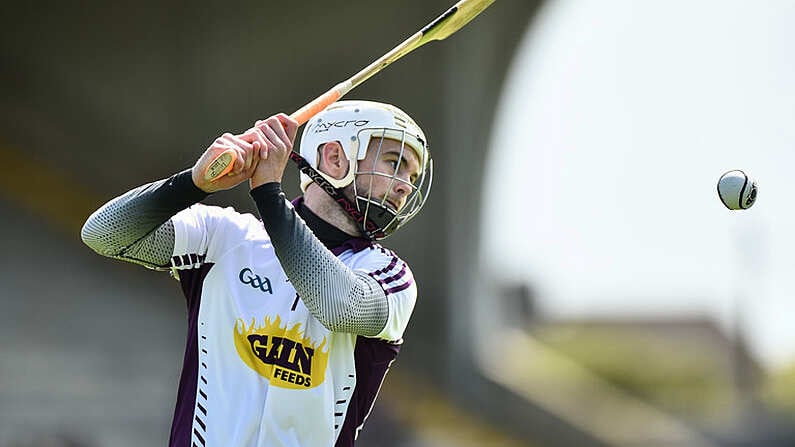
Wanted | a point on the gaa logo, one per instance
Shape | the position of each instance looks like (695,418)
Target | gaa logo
(252,279)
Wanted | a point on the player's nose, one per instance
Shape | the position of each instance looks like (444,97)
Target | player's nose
(401,189)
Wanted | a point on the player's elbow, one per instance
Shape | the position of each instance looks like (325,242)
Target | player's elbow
(363,311)
(333,324)
(336,319)
(91,239)
(95,237)
(368,327)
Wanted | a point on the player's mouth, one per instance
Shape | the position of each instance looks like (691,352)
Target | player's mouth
(394,207)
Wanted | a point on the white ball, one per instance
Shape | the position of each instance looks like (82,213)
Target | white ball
(736,190)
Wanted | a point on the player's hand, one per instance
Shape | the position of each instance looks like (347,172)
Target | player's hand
(247,147)
(278,133)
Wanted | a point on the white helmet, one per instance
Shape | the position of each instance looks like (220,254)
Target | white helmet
(354,124)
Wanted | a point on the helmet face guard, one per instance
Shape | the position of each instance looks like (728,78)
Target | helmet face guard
(357,126)
(380,210)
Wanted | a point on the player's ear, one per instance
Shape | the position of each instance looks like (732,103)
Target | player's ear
(333,160)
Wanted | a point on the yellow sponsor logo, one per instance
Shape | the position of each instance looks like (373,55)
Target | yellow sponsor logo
(282,355)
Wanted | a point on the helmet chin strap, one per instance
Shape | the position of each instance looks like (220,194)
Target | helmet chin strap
(380,215)
(369,227)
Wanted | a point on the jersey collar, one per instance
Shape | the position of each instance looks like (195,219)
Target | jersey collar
(332,237)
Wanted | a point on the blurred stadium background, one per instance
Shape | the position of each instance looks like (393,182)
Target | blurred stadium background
(100,97)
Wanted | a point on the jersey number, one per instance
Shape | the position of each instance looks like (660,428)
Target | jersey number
(295,303)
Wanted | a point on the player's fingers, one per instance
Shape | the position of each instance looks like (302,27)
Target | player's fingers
(228,139)
(244,149)
(249,158)
(240,157)
(269,127)
(257,147)
(237,140)
(256,135)
(276,124)
(220,144)
(273,137)
(240,161)
(290,125)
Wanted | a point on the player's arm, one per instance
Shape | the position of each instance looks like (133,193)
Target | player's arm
(136,226)
(342,299)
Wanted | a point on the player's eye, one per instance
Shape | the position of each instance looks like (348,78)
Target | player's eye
(394,164)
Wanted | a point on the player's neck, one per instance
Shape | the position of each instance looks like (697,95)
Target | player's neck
(327,209)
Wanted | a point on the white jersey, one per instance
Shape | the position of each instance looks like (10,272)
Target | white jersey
(259,368)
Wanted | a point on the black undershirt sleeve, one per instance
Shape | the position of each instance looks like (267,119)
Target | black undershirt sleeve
(135,226)
(343,300)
